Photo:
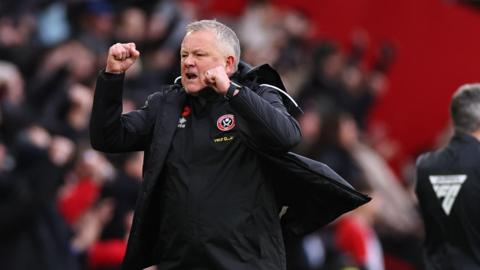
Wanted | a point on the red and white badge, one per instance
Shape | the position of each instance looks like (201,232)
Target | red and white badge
(226,122)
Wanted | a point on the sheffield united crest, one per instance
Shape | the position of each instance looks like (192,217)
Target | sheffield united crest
(226,122)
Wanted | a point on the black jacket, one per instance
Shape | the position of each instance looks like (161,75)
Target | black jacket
(314,193)
(448,191)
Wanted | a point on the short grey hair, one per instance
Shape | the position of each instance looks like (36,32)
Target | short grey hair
(465,108)
(224,34)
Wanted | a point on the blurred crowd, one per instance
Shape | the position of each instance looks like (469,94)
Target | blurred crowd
(65,206)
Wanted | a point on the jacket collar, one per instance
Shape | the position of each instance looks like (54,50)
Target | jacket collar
(462,137)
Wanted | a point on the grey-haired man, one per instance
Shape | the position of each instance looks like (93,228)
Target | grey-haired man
(217,169)
(448,189)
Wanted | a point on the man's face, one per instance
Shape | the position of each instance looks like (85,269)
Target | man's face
(200,52)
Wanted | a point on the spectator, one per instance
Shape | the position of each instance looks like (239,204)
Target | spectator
(33,234)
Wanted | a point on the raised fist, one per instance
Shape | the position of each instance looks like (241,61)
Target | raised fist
(120,57)
(218,79)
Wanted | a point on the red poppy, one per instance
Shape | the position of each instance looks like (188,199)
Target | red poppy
(186,111)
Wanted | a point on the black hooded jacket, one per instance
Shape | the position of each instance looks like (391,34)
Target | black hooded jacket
(265,131)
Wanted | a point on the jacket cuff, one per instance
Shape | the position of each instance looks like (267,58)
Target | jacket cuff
(109,86)
(111,76)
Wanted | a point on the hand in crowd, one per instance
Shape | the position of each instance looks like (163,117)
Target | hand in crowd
(81,98)
(61,150)
(74,56)
(95,166)
(16,32)
(11,84)
(120,57)
(90,226)
(38,136)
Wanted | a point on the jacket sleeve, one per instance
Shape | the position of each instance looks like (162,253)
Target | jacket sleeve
(264,120)
(112,131)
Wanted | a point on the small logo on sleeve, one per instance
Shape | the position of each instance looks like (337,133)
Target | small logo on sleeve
(183,120)
(226,122)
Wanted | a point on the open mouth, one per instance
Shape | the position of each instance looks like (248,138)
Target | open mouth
(191,76)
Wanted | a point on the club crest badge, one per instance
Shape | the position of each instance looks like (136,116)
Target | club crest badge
(226,122)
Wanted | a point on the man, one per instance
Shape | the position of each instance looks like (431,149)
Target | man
(448,189)
(208,198)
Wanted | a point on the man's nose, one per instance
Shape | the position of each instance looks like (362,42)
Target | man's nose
(188,61)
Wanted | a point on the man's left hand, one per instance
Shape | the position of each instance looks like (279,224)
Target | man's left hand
(218,79)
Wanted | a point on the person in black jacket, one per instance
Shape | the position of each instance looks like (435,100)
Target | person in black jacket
(448,189)
(208,203)
(215,155)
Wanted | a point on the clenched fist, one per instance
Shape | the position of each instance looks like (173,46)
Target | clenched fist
(120,57)
(218,79)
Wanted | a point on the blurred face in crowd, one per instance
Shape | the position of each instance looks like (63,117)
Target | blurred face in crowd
(200,52)
(133,25)
(348,132)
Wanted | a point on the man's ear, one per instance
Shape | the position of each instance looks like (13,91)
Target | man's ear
(230,65)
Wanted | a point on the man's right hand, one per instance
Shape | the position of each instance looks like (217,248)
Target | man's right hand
(120,57)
